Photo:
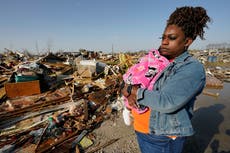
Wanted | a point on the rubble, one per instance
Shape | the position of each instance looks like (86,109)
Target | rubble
(47,103)
(53,102)
(216,62)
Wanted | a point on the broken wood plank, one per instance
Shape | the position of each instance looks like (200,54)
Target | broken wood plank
(210,93)
(2,92)
(102,146)
(58,142)
(10,122)
(34,103)
(8,133)
(91,124)
(35,107)
(40,139)
(22,89)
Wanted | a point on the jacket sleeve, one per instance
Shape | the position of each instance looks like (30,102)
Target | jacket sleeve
(178,89)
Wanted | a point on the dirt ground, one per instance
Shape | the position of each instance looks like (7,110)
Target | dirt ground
(116,136)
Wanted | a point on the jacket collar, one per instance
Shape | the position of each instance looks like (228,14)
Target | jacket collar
(182,57)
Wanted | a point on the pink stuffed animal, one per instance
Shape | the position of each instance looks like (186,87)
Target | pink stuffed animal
(145,73)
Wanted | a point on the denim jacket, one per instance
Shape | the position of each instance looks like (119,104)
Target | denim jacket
(172,99)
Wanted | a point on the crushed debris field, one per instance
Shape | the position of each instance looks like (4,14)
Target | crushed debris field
(70,102)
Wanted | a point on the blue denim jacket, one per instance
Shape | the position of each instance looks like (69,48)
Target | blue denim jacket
(172,99)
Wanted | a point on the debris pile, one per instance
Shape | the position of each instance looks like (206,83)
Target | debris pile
(51,103)
(216,62)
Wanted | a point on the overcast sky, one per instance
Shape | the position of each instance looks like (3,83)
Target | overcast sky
(128,25)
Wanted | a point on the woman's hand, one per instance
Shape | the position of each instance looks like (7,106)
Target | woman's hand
(130,92)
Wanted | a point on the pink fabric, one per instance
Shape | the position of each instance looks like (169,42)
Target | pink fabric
(145,72)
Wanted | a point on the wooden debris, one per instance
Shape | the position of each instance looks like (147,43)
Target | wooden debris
(78,139)
(3,79)
(2,92)
(76,102)
(64,139)
(22,105)
(213,82)
(98,97)
(10,122)
(21,130)
(205,92)
(102,146)
(22,89)
(40,139)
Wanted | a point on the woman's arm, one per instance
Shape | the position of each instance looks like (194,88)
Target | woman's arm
(186,83)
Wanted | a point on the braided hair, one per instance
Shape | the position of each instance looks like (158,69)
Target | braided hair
(192,20)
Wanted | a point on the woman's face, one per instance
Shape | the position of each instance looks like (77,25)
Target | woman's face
(173,42)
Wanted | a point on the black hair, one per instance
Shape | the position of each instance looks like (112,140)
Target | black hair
(192,20)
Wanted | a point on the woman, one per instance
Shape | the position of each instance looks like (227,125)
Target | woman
(168,122)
